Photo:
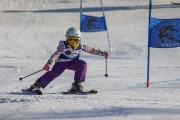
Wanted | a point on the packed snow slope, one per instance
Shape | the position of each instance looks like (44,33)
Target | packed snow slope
(29,33)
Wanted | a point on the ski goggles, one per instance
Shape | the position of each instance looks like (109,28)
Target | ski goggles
(75,39)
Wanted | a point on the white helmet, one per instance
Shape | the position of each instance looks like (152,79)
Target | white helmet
(73,37)
(73,32)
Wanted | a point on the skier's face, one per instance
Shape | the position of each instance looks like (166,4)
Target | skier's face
(73,41)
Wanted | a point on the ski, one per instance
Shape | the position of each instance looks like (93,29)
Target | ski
(28,92)
(175,3)
(38,92)
(81,93)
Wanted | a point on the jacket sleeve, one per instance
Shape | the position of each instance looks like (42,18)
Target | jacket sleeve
(57,53)
(92,50)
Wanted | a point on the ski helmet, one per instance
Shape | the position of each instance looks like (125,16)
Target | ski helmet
(73,37)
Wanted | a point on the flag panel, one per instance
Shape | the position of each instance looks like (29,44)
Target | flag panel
(92,23)
(164,33)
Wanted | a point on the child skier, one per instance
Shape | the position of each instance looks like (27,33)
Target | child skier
(67,57)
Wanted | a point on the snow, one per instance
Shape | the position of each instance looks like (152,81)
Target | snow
(29,33)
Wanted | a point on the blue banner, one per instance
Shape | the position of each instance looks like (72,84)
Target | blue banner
(92,23)
(164,33)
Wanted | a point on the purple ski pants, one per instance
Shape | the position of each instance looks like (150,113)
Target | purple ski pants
(79,66)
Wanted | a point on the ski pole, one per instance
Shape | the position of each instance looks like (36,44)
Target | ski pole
(21,78)
(106,74)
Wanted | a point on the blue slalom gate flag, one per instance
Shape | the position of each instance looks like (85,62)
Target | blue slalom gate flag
(92,23)
(164,33)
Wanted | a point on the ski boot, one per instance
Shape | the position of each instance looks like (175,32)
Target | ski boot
(35,88)
(76,87)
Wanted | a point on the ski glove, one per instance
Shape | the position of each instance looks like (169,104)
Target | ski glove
(46,67)
(106,54)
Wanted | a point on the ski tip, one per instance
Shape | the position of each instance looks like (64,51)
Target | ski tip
(93,91)
(175,3)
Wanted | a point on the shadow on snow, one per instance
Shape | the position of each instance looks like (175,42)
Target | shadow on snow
(95,9)
(105,112)
(163,84)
